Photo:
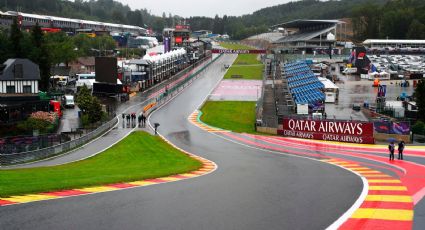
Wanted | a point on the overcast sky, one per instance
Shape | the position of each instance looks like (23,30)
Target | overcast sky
(210,8)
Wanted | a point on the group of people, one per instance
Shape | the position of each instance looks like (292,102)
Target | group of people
(142,120)
(131,120)
(391,148)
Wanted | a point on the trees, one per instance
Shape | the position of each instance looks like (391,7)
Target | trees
(86,45)
(40,55)
(61,48)
(4,46)
(420,99)
(366,21)
(416,30)
(15,38)
(398,19)
(89,105)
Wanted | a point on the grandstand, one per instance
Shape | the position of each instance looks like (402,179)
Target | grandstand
(27,20)
(309,35)
(303,85)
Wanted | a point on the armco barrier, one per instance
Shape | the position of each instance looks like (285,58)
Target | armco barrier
(25,157)
(161,99)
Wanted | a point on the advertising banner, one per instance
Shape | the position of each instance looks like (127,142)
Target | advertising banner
(401,128)
(350,131)
(167,45)
(223,51)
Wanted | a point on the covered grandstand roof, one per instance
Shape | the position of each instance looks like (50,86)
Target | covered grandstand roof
(304,23)
(304,36)
(391,41)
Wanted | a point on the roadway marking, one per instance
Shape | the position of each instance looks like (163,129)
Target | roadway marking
(386,192)
(384,207)
(383,214)
(195,119)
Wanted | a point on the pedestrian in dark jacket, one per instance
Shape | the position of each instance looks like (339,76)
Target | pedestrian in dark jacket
(391,148)
(400,150)
(139,119)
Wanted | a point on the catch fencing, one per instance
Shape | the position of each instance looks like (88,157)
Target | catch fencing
(31,156)
(172,89)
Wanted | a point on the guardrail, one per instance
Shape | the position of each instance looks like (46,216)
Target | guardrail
(25,157)
(152,104)
(177,88)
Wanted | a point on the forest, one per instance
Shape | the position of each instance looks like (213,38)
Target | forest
(371,18)
(399,19)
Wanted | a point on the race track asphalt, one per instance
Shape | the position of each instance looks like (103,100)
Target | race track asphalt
(251,189)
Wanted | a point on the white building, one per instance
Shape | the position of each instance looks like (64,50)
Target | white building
(19,76)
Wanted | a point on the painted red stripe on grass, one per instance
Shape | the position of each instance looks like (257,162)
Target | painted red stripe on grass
(64,193)
(198,173)
(5,202)
(121,185)
(372,224)
(387,205)
(155,180)
(180,177)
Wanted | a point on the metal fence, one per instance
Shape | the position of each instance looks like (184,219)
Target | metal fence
(30,156)
(178,87)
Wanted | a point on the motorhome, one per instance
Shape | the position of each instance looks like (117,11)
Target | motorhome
(85,79)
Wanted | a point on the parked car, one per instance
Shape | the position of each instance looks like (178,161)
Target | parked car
(356,106)
(69,101)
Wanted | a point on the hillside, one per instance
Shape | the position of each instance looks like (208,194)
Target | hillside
(371,18)
(305,9)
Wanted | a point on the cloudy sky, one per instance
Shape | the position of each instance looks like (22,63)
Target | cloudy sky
(209,8)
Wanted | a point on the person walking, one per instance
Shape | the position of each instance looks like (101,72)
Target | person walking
(128,120)
(123,120)
(139,119)
(144,119)
(391,148)
(400,150)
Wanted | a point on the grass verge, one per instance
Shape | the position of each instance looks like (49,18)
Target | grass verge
(138,156)
(237,116)
(246,65)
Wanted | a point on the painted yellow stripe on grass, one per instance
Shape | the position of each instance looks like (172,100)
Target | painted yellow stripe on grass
(358,168)
(368,172)
(141,183)
(98,189)
(389,198)
(376,176)
(189,175)
(388,188)
(169,179)
(338,162)
(347,165)
(29,198)
(383,214)
(384,181)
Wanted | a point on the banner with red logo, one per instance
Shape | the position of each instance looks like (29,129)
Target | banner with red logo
(350,131)
(223,51)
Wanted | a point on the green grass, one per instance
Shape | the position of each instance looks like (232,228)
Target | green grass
(237,116)
(234,46)
(247,59)
(139,156)
(246,65)
(246,72)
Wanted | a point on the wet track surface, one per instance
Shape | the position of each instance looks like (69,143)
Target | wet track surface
(251,189)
